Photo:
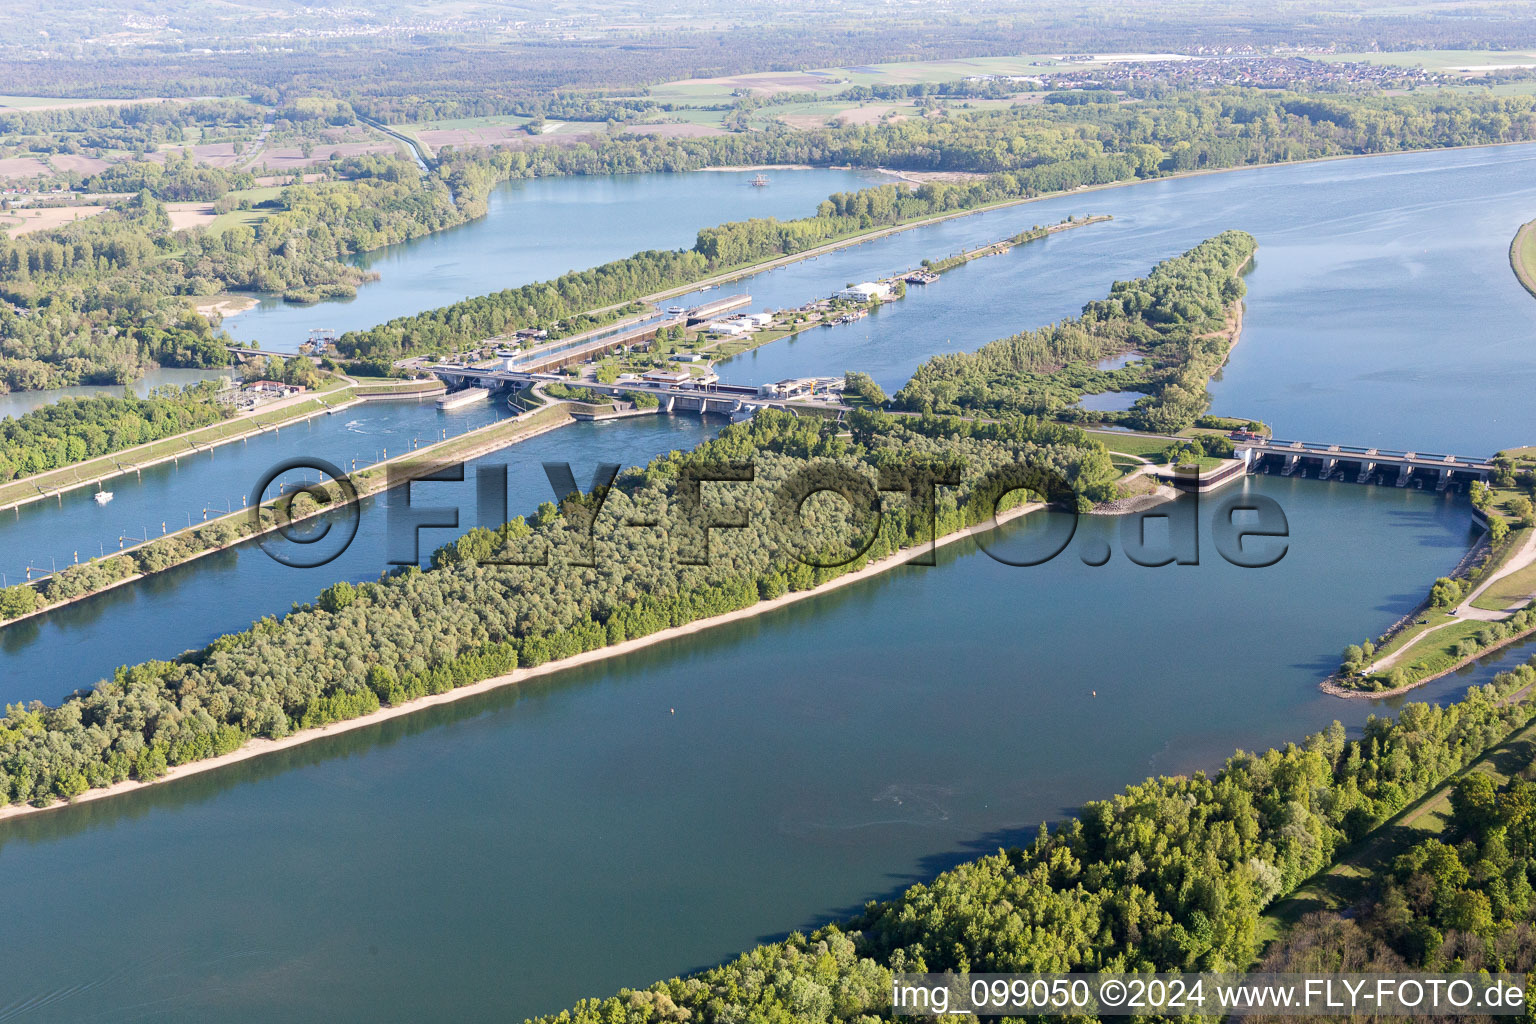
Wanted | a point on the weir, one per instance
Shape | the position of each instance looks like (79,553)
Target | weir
(1386,466)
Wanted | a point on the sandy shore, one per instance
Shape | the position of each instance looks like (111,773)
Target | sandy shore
(258,747)
(226,306)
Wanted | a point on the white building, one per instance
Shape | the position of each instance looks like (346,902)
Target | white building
(668,378)
(728,328)
(863,292)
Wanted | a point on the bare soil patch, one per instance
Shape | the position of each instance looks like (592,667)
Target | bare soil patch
(22,167)
(483,135)
(27,220)
(291,158)
(76,162)
(866,114)
(190,215)
(952,177)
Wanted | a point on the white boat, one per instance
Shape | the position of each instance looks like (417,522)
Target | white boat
(102,497)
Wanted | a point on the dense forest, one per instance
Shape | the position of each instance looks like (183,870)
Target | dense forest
(1461,900)
(570,587)
(1175,318)
(75,429)
(805,502)
(1049,146)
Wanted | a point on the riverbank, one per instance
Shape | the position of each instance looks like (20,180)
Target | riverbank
(1522,256)
(1333,689)
(226,306)
(366,482)
(258,747)
(1463,624)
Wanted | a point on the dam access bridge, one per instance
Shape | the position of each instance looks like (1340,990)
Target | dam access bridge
(1384,466)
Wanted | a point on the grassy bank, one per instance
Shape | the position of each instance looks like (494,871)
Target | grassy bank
(1349,878)
(1522,256)
(104,467)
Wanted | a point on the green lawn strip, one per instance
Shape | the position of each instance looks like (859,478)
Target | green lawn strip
(367,481)
(1522,256)
(1130,444)
(1425,620)
(1347,880)
(466,446)
(1436,652)
(1515,588)
(1124,463)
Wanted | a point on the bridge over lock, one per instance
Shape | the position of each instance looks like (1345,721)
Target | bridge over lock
(712,397)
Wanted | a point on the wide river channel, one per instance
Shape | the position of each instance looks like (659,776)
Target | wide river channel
(607,826)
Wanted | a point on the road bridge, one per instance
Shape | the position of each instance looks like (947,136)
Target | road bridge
(1385,466)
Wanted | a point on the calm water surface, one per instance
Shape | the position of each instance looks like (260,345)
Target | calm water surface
(18,402)
(174,495)
(537,230)
(511,853)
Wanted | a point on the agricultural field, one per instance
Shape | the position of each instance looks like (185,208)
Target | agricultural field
(27,219)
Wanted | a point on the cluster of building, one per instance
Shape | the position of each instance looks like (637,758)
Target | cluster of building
(1255,71)
(827,388)
(1210,71)
(738,326)
(865,291)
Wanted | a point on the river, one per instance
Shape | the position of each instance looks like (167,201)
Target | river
(17,403)
(536,230)
(632,820)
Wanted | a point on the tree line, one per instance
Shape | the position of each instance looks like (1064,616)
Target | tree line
(553,585)
(75,429)
(100,299)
